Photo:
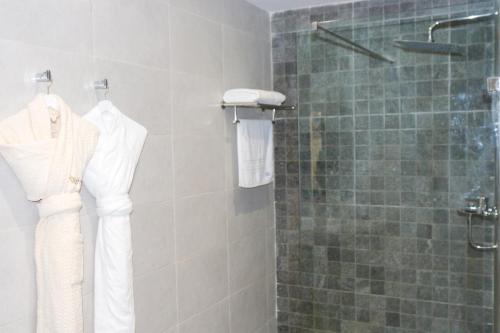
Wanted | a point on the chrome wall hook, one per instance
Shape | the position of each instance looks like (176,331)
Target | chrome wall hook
(102,85)
(493,84)
(44,77)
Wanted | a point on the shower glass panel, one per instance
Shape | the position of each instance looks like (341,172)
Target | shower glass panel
(388,155)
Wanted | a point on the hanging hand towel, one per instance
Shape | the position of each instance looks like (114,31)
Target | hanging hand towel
(108,177)
(235,96)
(255,152)
(48,150)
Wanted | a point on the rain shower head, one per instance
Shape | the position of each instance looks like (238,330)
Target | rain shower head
(429,47)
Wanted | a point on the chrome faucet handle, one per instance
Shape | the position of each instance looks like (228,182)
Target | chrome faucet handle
(482,204)
(479,206)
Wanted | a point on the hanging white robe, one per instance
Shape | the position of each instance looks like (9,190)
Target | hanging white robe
(108,177)
(47,150)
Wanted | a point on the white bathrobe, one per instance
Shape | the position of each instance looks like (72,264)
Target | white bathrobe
(48,150)
(108,177)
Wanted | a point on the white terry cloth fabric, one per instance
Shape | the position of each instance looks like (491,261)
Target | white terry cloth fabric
(255,152)
(254,96)
(48,148)
(108,177)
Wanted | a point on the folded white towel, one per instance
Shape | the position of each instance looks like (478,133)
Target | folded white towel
(255,153)
(254,96)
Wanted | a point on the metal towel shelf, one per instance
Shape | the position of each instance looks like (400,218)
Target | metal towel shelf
(263,107)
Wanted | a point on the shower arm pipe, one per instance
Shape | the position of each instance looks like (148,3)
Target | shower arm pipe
(437,24)
(316,26)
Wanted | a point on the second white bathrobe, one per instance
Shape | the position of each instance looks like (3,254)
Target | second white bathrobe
(108,177)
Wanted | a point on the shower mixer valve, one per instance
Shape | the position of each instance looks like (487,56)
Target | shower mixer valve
(478,206)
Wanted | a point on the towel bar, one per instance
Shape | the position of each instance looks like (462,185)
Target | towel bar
(263,107)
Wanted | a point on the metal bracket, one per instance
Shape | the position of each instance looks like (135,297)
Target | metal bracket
(45,76)
(316,26)
(101,85)
(472,243)
(236,120)
(493,84)
(479,207)
(262,107)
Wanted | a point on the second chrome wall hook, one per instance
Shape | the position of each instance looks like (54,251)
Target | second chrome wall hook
(45,76)
(101,85)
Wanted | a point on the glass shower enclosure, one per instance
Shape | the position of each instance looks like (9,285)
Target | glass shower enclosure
(397,172)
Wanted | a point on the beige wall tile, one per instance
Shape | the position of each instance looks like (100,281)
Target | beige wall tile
(152,237)
(196,104)
(200,224)
(155,300)
(55,24)
(202,282)
(196,46)
(212,10)
(142,94)
(213,320)
(247,261)
(247,211)
(17,278)
(131,31)
(153,177)
(198,165)
(248,308)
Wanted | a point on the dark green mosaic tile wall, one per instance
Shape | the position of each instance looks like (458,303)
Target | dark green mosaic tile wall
(373,165)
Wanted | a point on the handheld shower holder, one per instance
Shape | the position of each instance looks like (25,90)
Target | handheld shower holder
(478,207)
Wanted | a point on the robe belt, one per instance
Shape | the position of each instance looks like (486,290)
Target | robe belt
(59,204)
(114,205)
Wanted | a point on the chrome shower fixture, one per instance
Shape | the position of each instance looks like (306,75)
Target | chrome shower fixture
(430,46)
(479,207)
(317,26)
(493,84)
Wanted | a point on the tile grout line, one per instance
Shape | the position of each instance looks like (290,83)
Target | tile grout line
(226,202)
(173,189)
